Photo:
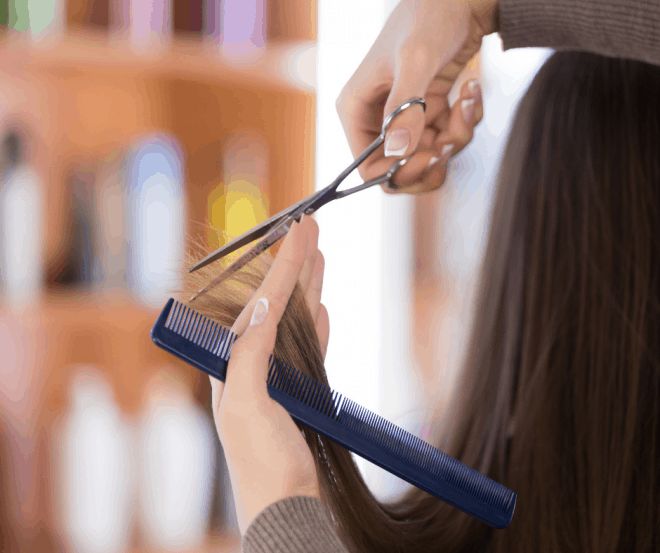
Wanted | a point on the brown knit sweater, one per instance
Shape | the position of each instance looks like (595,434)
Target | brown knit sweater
(617,28)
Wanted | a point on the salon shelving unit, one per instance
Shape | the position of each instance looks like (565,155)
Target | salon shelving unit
(84,93)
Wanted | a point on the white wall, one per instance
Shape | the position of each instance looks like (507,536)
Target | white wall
(367,239)
(350,228)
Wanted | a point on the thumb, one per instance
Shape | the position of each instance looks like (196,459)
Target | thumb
(251,353)
(411,80)
(417,64)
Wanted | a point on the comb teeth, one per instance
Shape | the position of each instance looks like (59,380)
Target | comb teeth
(207,345)
(425,457)
(200,330)
(304,388)
(395,440)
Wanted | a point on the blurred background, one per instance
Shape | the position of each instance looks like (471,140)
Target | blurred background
(128,127)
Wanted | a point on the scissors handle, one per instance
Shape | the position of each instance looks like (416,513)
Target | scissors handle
(383,179)
(376,143)
(311,203)
(329,193)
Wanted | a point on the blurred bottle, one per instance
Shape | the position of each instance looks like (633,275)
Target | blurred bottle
(42,19)
(188,18)
(238,27)
(177,466)
(76,267)
(94,468)
(82,209)
(140,221)
(21,265)
(155,219)
(150,25)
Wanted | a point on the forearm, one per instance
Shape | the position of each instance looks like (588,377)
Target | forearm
(616,28)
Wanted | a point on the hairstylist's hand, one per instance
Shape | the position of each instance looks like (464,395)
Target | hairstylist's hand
(267,456)
(420,52)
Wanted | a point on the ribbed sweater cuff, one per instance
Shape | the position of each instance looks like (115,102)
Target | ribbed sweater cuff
(616,28)
(293,525)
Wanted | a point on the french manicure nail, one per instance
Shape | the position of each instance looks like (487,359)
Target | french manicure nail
(432,161)
(467,106)
(445,153)
(475,88)
(397,143)
(260,312)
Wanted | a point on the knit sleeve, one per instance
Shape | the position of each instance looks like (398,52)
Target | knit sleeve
(293,525)
(615,28)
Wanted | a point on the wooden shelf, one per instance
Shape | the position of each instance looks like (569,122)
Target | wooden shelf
(80,100)
(288,66)
(109,331)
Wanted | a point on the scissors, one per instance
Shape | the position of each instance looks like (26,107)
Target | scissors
(278,225)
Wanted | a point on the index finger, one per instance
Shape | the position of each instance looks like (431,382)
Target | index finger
(281,279)
(362,121)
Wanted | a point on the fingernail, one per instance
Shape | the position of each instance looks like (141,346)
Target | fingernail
(397,143)
(260,312)
(475,88)
(467,107)
(445,153)
(432,161)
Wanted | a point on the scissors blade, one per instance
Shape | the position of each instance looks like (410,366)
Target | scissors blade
(278,232)
(252,234)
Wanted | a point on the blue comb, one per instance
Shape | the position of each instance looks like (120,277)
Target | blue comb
(207,345)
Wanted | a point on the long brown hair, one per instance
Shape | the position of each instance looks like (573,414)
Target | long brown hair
(565,344)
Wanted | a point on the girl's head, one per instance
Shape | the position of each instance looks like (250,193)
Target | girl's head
(565,340)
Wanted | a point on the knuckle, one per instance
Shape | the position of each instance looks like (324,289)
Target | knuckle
(321,258)
(277,303)
(416,52)
(344,106)
(386,189)
(464,137)
(339,102)
(314,223)
(427,186)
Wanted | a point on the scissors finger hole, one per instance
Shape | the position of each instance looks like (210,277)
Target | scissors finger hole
(409,172)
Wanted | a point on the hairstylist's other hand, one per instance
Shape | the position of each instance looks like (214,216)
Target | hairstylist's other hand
(420,52)
(267,456)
